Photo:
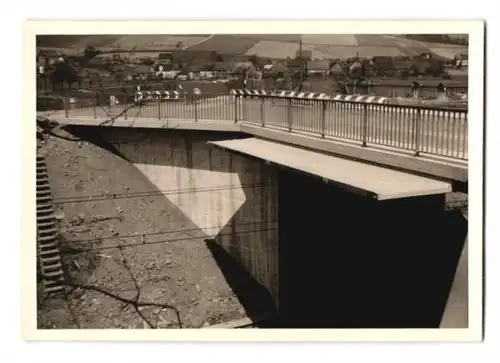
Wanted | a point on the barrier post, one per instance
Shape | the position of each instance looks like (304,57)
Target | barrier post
(417,133)
(365,124)
(289,114)
(66,101)
(262,122)
(323,118)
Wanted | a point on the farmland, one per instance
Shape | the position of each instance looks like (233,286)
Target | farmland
(134,42)
(269,45)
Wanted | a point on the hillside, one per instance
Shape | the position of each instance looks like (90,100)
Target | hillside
(322,46)
(452,39)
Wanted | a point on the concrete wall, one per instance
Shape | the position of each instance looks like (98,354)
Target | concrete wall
(230,198)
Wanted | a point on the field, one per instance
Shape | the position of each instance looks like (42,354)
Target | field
(113,42)
(268,45)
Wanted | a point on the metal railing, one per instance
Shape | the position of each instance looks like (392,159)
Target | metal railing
(436,130)
(400,90)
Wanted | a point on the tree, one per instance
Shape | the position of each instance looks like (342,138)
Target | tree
(91,51)
(63,73)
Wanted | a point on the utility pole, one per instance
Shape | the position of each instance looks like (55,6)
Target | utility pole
(301,62)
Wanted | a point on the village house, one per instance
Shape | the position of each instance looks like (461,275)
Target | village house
(461,60)
(337,69)
(295,65)
(318,67)
(222,69)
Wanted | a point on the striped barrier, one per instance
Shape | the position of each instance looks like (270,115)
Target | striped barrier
(152,96)
(302,95)
(310,95)
(361,98)
(249,92)
(279,93)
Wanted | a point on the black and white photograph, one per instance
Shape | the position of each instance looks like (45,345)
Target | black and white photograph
(252,181)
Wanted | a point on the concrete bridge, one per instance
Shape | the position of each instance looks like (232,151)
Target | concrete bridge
(336,208)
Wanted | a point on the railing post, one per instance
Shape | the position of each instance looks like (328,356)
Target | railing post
(195,102)
(66,101)
(323,118)
(417,133)
(125,106)
(262,122)
(365,124)
(244,108)
(289,114)
(95,105)
(235,108)
(158,102)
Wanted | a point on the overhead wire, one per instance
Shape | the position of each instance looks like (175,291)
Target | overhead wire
(74,251)
(139,194)
(173,231)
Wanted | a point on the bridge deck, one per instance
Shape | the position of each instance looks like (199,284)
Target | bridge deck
(374,181)
(383,134)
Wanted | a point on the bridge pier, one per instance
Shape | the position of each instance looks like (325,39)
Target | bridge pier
(348,261)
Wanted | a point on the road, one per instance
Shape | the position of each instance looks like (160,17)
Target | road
(441,132)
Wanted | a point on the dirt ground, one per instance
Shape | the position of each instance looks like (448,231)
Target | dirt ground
(180,283)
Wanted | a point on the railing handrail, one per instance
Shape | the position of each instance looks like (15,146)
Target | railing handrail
(425,107)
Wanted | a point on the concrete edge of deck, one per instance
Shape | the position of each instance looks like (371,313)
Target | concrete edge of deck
(355,176)
(149,123)
(449,169)
(454,171)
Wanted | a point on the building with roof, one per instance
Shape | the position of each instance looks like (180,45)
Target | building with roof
(321,67)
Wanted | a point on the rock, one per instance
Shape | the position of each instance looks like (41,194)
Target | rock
(198,288)
(80,144)
(168,262)
(119,210)
(59,215)
(81,216)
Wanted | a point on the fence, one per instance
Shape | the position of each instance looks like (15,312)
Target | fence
(437,130)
